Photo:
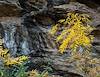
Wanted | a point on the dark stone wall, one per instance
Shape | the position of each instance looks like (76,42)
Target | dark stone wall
(90,3)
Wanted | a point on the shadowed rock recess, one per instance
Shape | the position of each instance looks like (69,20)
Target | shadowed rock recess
(24,26)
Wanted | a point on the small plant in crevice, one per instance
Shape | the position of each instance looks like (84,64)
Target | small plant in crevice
(73,33)
(35,73)
(11,66)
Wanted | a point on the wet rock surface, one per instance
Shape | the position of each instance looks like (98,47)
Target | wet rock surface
(24,25)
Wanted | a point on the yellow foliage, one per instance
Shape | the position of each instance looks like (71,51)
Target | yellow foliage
(8,60)
(54,29)
(11,60)
(75,32)
(3,53)
(35,73)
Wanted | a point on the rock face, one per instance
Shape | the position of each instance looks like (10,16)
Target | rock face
(24,25)
(12,11)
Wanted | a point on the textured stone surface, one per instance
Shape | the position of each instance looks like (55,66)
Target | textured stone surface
(24,28)
(7,10)
(75,6)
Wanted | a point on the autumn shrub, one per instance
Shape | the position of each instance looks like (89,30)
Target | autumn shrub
(73,32)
